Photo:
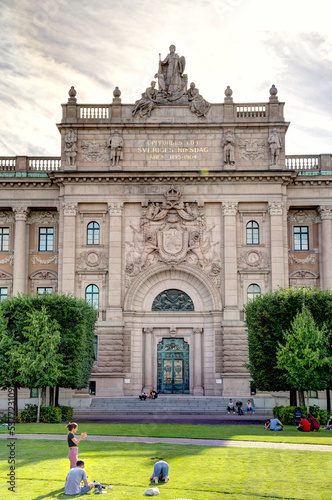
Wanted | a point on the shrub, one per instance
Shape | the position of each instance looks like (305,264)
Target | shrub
(3,418)
(67,413)
(50,414)
(286,413)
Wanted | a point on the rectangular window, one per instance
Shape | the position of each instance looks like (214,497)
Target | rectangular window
(34,393)
(3,294)
(301,238)
(46,239)
(4,239)
(43,290)
(92,388)
(313,394)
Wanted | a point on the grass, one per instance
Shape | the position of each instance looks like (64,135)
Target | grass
(234,432)
(196,472)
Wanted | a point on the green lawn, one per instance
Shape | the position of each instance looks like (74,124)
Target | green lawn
(234,432)
(196,472)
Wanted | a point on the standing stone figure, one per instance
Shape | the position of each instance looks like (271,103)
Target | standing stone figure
(227,143)
(147,103)
(173,67)
(275,146)
(197,104)
(70,147)
(115,143)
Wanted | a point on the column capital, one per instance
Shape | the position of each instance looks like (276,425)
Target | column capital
(275,208)
(198,330)
(70,209)
(325,212)
(229,207)
(21,213)
(115,208)
(147,330)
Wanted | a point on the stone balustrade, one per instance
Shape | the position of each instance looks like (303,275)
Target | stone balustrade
(302,162)
(93,112)
(30,164)
(251,111)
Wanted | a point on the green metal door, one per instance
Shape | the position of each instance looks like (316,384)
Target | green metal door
(173,366)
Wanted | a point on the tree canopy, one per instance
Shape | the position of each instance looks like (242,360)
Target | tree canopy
(75,319)
(268,317)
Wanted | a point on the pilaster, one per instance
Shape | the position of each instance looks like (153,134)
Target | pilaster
(326,247)
(69,247)
(277,244)
(231,309)
(114,311)
(198,389)
(20,250)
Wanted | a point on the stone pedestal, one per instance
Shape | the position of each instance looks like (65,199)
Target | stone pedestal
(20,250)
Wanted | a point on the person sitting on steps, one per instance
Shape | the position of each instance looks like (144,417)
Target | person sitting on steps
(230,406)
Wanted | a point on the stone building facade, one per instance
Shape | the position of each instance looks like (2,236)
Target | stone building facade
(169,215)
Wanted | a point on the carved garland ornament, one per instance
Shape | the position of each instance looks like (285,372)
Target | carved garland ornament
(46,218)
(35,259)
(6,218)
(172,232)
(301,217)
(311,258)
(8,260)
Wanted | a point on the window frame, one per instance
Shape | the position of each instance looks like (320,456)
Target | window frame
(254,293)
(93,230)
(3,297)
(2,249)
(251,231)
(47,244)
(92,293)
(47,290)
(300,233)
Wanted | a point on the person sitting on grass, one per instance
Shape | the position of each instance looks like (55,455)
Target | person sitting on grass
(230,406)
(267,424)
(329,424)
(314,425)
(75,477)
(160,472)
(276,425)
(304,425)
(249,407)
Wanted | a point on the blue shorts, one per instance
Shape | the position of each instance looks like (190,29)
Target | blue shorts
(84,489)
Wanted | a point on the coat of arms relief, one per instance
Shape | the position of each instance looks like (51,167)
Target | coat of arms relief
(173,232)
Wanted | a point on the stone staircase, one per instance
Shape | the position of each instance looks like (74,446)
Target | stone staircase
(164,404)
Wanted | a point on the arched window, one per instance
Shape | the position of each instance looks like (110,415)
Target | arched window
(172,300)
(92,295)
(253,291)
(252,233)
(93,232)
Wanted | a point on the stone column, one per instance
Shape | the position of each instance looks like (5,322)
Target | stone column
(198,389)
(277,245)
(148,358)
(20,251)
(326,246)
(231,307)
(114,311)
(69,247)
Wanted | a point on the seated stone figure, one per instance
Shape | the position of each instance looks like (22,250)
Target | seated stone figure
(147,103)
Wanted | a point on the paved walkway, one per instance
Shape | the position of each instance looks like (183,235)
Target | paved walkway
(197,442)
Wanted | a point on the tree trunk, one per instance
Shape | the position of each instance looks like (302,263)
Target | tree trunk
(292,397)
(51,396)
(38,409)
(15,402)
(44,396)
(301,397)
(56,402)
(307,394)
(328,401)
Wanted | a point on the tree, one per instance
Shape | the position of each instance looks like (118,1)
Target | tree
(304,354)
(267,318)
(76,323)
(37,358)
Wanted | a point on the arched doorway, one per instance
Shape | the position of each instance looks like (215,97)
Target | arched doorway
(173,366)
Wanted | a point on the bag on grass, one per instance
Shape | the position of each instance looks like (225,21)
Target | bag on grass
(151,492)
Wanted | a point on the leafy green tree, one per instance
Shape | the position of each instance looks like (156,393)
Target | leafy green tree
(267,318)
(76,323)
(37,358)
(304,354)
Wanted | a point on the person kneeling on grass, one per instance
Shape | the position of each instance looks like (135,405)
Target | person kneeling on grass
(74,478)
(276,425)
(160,472)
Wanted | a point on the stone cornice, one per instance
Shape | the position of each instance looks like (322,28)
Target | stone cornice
(138,177)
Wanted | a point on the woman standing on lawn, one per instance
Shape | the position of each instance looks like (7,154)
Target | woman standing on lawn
(73,442)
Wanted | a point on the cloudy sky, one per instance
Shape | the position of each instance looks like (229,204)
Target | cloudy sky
(48,45)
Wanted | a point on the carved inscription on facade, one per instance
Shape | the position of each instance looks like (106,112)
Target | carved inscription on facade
(172,149)
(172,232)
